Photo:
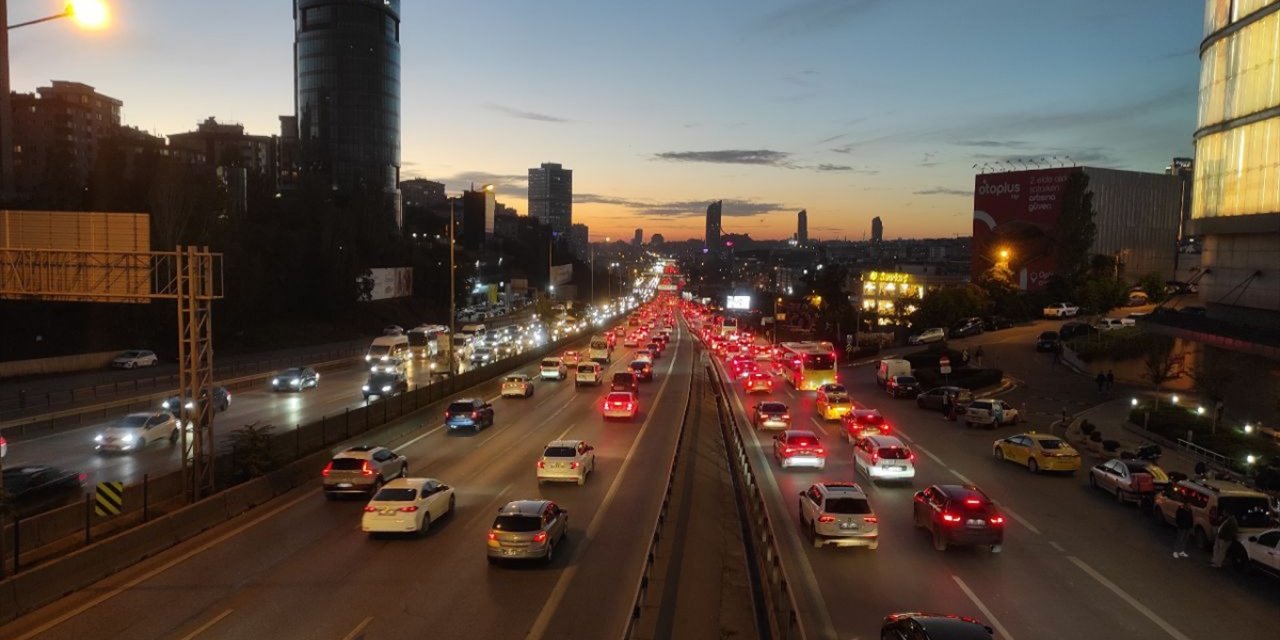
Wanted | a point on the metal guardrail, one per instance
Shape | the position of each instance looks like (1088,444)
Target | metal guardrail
(1201,453)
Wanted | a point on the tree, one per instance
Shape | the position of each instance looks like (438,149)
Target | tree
(1213,377)
(1159,366)
(1153,285)
(251,450)
(1076,231)
(1102,294)
(943,307)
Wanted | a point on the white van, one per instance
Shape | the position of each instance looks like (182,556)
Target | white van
(589,373)
(473,330)
(388,351)
(889,368)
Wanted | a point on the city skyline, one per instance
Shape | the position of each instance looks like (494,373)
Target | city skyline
(753,103)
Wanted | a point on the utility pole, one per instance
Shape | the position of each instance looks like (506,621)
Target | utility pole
(453,276)
(6,111)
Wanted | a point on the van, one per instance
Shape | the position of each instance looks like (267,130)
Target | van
(1210,502)
(891,367)
(388,351)
(473,330)
(589,373)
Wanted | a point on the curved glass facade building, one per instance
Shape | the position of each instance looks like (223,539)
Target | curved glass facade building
(347,92)
(1236,203)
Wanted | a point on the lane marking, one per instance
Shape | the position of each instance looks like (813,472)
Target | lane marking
(205,627)
(309,495)
(995,622)
(566,431)
(489,508)
(1022,521)
(358,632)
(539,628)
(931,456)
(961,476)
(818,425)
(1133,602)
(1057,546)
(405,445)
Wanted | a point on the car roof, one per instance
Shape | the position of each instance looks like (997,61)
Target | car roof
(885,441)
(523,508)
(146,414)
(773,404)
(799,433)
(1041,437)
(409,483)
(563,443)
(628,394)
(850,488)
(961,491)
(362,452)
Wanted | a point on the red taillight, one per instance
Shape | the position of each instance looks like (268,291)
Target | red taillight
(826,518)
(446,415)
(875,458)
(540,536)
(997,519)
(911,456)
(870,519)
(369,509)
(788,451)
(365,469)
(950,517)
(475,415)
(492,535)
(820,451)
(631,406)
(327,468)
(786,416)
(973,502)
(409,509)
(83,477)
(884,428)
(573,465)
(542,465)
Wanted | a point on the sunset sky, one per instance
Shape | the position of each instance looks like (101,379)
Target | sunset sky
(847,108)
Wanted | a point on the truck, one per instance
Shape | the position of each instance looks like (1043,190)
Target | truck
(600,351)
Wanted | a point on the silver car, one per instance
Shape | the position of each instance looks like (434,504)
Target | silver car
(567,460)
(839,513)
(527,530)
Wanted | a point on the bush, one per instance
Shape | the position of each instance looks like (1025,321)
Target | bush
(969,378)
(1110,445)
(1129,343)
(1173,422)
(1087,428)
(1095,436)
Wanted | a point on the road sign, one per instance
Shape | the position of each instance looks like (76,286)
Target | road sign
(944,365)
(109,499)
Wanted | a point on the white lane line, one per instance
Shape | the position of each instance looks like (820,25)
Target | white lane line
(397,449)
(566,431)
(205,627)
(931,456)
(1022,521)
(817,424)
(309,495)
(991,618)
(961,476)
(1133,602)
(539,628)
(1057,546)
(488,510)
(486,440)
(358,632)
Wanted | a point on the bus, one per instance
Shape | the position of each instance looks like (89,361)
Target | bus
(808,365)
(422,340)
(728,326)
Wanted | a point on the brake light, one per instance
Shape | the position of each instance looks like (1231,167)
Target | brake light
(911,455)
(365,469)
(997,519)
(826,518)
(327,468)
(542,465)
(83,477)
(786,416)
(631,406)
(475,415)
(820,451)
(492,535)
(973,502)
(788,451)
(369,509)
(540,536)
(870,519)
(950,517)
(409,509)
(884,428)
(573,465)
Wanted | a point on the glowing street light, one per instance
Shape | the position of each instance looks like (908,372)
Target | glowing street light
(89,14)
(1250,459)
(1133,402)
(1174,398)
(1248,428)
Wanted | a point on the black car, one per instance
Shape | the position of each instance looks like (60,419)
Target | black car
(468,413)
(1048,341)
(643,370)
(1070,330)
(958,515)
(384,384)
(295,379)
(996,323)
(933,398)
(933,626)
(175,404)
(902,386)
(625,381)
(37,487)
(966,327)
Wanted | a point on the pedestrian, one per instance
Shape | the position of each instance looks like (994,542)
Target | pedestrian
(1111,380)
(977,356)
(1201,469)
(1228,531)
(946,405)
(1183,520)
(1101,380)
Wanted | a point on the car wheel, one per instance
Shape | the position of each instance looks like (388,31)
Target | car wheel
(813,536)
(551,553)
(426,524)
(999,453)
(1032,465)
(939,541)
(452,504)
(1120,496)
(128,365)
(493,562)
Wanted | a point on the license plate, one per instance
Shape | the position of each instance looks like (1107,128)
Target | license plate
(977,524)
(849,525)
(896,468)
(344,485)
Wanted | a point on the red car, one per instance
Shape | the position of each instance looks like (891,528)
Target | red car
(757,382)
(799,448)
(861,423)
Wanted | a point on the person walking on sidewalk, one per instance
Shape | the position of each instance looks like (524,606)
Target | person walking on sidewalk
(1184,521)
(1228,531)
(977,356)
(1101,381)
(947,402)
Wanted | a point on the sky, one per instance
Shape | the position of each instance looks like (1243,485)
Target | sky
(849,109)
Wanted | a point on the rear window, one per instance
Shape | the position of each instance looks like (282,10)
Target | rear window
(1249,511)
(893,453)
(1049,335)
(906,380)
(347,464)
(870,418)
(560,452)
(639,366)
(550,364)
(517,524)
(619,397)
(515,378)
(802,441)
(586,368)
(461,407)
(396,495)
(773,407)
(853,506)
(1051,444)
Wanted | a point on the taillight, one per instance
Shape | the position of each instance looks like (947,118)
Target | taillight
(826,518)
(542,465)
(911,456)
(997,519)
(475,415)
(573,465)
(884,428)
(492,535)
(409,509)
(870,519)
(973,502)
(950,517)
(540,536)
(788,451)
(786,416)
(631,406)
(820,451)
(369,509)
(875,459)
(365,469)
(83,477)
(327,468)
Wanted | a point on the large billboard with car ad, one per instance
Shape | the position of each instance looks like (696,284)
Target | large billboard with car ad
(1015,222)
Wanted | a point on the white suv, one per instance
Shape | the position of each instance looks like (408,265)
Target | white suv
(1210,501)
(552,369)
(1061,310)
(883,457)
(362,469)
(589,373)
(570,460)
(839,513)
(990,413)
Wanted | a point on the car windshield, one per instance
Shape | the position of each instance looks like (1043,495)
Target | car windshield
(396,495)
(132,422)
(851,506)
(379,350)
(291,373)
(461,407)
(560,452)
(773,407)
(1250,511)
(517,379)
(517,524)
(586,368)
(1051,443)
(893,453)
(346,464)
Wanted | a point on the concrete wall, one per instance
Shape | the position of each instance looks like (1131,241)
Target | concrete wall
(60,364)
(1139,217)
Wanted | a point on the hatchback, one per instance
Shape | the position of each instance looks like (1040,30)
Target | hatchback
(861,423)
(799,449)
(958,515)
(620,404)
(527,530)
(468,413)
(771,415)
(839,513)
(883,457)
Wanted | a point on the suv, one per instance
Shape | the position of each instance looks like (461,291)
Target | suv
(1048,341)
(1210,501)
(552,369)
(839,513)
(958,515)
(589,373)
(990,413)
(625,381)
(362,469)
(884,457)
(468,413)
(527,529)
(384,384)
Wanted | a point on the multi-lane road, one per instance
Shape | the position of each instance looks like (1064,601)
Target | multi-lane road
(303,569)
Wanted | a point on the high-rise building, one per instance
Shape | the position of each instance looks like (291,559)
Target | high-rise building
(711,239)
(57,132)
(580,240)
(638,239)
(877,230)
(420,192)
(802,227)
(551,196)
(347,94)
(478,211)
(227,145)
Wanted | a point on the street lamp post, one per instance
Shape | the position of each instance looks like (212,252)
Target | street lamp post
(453,314)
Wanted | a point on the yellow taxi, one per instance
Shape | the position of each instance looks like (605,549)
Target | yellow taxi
(1037,452)
(833,402)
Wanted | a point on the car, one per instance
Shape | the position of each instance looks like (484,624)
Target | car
(1037,452)
(1072,330)
(362,469)
(654,348)
(384,384)
(884,457)
(481,356)
(902,386)
(758,383)
(958,515)
(589,373)
(1048,341)
(793,448)
(1109,324)
(770,415)
(571,460)
(644,354)
(407,505)
(1129,480)
(934,334)
(527,530)
(468,413)
(989,412)
(996,323)
(1061,310)
(861,422)
(32,488)
(1258,550)
(517,385)
(966,327)
(135,358)
(620,404)
(935,398)
(834,404)
(177,404)
(839,514)
(833,388)
(933,626)
(1210,502)
(1176,288)
(631,340)
(393,330)
(625,381)
(552,369)
(137,430)
(4,447)
(571,358)
(295,379)
(643,370)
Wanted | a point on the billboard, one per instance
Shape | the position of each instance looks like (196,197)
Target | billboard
(76,256)
(383,284)
(561,274)
(1018,212)
(742,303)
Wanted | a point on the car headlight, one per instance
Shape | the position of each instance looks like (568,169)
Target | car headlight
(386,388)
(190,405)
(99,438)
(165,404)
(365,387)
(127,438)
(295,382)
(275,381)
(367,357)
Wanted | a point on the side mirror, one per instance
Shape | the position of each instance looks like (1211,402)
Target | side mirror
(919,497)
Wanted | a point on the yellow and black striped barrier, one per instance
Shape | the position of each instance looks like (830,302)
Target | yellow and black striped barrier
(109,499)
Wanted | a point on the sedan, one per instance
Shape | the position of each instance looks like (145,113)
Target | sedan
(758,382)
(933,626)
(799,449)
(771,415)
(407,505)
(1128,480)
(295,379)
(221,401)
(135,358)
(36,487)
(642,369)
(860,423)
(935,398)
(1038,452)
(136,430)
(517,385)
(1061,310)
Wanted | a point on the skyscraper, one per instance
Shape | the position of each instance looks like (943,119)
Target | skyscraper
(347,94)
(551,196)
(802,227)
(711,240)
(639,238)
(877,230)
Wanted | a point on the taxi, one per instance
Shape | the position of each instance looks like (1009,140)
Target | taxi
(833,402)
(571,358)
(1037,452)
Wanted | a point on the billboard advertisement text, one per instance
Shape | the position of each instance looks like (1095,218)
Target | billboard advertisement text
(1017,212)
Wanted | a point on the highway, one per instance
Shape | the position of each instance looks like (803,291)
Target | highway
(1074,565)
(303,569)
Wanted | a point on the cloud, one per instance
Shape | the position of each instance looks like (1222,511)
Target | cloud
(728,156)
(943,191)
(810,16)
(1054,156)
(515,185)
(833,167)
(732,208)
(845,149)
(1012,144)
(524,115)
(929,160)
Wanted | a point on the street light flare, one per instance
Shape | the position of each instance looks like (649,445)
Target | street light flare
(90,14)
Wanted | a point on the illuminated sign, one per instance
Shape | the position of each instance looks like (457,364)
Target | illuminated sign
(879,276)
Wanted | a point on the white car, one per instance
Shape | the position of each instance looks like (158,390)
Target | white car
(1107,324)
(135,358)
(936,334)
(884,457)
(569,460)
(990,412)
(1061,310)
(517,385)
(407,505)
(589,373)
(645,355)
(839,513)
(136,430)
(552,369)
(1259,549)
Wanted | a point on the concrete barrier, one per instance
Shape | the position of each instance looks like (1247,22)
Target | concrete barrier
(193,519)
(244,497)
(59,364)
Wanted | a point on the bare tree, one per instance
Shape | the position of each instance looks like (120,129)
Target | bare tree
(1159,365)
(1213,377)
